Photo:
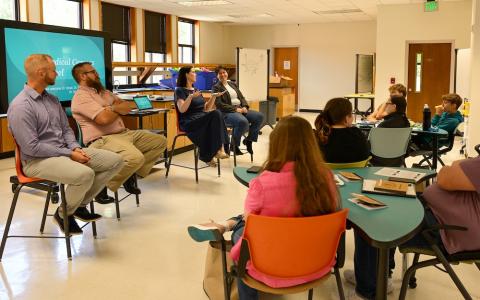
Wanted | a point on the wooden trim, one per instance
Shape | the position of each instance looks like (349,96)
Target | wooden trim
(176,38)
(100,16)
(133,34)
(23,7)
(40,3)
(165,65)
(169,54)
(142,58)
(87,14)
(196,42)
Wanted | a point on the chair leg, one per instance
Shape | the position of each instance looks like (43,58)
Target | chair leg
(226,283)
(251,157)
(45,210)
(65,221)
(451,272)
(171,156)
(412,282)
(341,294)
(404,263)
(9,219)
(232,147)
(117,205)
(137,197)
(218,167)
(441,161)
(195,158)
(310,294)
(94,225)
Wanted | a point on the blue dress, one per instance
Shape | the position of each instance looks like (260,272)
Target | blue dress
(205,129)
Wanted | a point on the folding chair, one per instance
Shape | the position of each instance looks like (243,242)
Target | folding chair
(230,131)
(389,146)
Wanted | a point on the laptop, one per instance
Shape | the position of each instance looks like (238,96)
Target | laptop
(144,105)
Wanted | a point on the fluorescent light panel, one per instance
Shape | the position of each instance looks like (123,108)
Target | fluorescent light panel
(204,3)
(338,11)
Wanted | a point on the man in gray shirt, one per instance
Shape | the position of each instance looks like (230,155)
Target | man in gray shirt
(48,147)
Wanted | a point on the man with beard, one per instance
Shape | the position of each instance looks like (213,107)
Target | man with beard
(48,148)
(98,111)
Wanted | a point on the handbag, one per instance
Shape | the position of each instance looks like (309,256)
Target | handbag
(213,279)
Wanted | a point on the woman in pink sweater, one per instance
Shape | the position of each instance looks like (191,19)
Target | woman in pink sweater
(295,182)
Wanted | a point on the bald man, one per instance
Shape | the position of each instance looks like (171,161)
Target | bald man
(48,148)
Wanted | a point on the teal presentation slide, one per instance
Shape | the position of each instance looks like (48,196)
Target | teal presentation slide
(66,51)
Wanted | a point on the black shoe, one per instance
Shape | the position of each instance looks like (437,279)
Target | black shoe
(237,151)
(104,198)
(84,215)
(130,187)
(249,146)
(73,227)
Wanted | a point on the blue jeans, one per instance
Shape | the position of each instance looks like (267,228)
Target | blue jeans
(244,291)
(241,123)
(365,259)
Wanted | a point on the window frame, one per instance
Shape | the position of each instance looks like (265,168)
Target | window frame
(192,46)
(129,78)
(80,14)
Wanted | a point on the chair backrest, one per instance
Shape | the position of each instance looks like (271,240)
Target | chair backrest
(389,142)
(451,139)
(293,247)
(22,178)
(177,113)
(357,164)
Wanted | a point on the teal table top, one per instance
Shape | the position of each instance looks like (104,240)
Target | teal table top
(384,227)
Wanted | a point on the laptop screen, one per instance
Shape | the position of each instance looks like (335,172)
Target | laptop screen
(143,102)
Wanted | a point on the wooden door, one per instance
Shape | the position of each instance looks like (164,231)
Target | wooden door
(286,64)
(429,67)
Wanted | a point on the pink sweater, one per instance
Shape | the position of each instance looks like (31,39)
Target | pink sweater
(273,194)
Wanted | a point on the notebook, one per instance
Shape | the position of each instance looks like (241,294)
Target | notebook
(366,202)
(401,175)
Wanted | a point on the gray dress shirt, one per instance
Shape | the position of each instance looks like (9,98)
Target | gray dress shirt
(39,125)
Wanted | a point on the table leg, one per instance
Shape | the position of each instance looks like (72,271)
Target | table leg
(356,106)
(165,153)
(382,274)
(435,152)
(140,122)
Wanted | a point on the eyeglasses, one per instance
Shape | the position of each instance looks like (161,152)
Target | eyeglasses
(91,71)
(388,103)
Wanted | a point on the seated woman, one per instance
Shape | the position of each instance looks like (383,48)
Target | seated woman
(295,182)
(338,140)
(236,111)
(198,118)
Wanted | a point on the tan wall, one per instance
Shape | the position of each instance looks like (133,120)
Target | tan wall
(326,54)
(399,24)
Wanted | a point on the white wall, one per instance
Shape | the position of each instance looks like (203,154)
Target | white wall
(397,24)
(326,54)
(473,135)
(463,72)
(212,40)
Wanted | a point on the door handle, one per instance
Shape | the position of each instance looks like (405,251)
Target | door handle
(409,90)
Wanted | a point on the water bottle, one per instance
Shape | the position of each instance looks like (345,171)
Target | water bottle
(427,118)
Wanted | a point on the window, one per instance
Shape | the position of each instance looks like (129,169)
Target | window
(158,58)
(116,21)
(186,41)
(67,13)
(155,41)
(418,72)
(9,10)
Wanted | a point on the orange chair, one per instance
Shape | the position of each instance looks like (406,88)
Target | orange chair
(293,247)
(181,133)
(50,187)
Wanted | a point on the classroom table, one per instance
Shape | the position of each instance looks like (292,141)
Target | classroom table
(366,96)
(140,114)
(383,228)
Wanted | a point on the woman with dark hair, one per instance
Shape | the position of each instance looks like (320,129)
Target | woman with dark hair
(236,111)
(203,124)
(339,141)
(295,182)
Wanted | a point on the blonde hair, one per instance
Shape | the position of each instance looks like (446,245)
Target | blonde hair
(35,62)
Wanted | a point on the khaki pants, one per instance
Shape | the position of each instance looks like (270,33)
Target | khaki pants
(84,181)
(139,149)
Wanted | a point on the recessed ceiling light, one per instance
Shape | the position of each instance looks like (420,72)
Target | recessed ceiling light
(204,3)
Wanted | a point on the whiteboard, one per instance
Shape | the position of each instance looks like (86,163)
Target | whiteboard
(252,73)
(463,73)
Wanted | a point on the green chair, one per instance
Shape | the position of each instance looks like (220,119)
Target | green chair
(389,146)
(357,164)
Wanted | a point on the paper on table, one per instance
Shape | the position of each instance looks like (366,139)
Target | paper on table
(338,181)
(400,174)
(363,205)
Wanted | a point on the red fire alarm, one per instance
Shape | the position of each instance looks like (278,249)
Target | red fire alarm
(392,80)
